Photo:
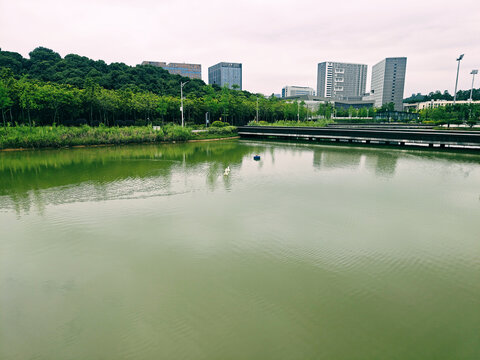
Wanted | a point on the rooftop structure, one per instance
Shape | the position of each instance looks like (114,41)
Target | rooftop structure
(297,90)
(193,71)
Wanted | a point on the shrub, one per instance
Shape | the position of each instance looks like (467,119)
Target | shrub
(140,123)
(230,130)
(219,124)
(177,133)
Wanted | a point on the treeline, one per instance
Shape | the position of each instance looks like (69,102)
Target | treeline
(48,66)
(452,114)
(28,101)
(437,95)
(48,89)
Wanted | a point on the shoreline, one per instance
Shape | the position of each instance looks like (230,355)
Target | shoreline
(105,145)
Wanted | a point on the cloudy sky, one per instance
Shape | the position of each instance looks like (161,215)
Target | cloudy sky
(279,42)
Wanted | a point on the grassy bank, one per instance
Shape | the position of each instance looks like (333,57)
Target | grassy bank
(61,136)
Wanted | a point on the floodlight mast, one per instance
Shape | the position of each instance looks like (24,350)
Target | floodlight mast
(473,73)
(456,81)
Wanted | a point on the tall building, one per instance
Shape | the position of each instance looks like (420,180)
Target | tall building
(341,81)
(297,90)
(388,82)
(193,71)
(225,73)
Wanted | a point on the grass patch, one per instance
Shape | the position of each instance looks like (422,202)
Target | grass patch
(60,136)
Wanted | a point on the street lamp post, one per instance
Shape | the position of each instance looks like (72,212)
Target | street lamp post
(456,81)
(182,84)
(474,72)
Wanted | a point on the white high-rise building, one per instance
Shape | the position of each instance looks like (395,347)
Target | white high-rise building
(388,82)
(342,81)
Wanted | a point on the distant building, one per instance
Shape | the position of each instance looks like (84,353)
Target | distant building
(433,104)
(225,73)
(342,81)
(297,90)
(193,71)
(388,82)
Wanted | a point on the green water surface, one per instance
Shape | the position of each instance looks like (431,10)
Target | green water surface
(313,252)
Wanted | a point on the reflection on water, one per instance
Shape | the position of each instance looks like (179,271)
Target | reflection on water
(112,172)
(314,252)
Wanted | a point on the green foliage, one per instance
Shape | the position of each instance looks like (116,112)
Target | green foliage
(219,124)
(177,133)
(226,130)
(62,136)
(47,89)
(59,136)
(452,114)
(437,95)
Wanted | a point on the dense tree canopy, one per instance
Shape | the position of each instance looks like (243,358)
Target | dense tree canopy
(47,88)
(437,95)
(46,65)
(27,101)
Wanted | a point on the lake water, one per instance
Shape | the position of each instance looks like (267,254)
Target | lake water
(314,252)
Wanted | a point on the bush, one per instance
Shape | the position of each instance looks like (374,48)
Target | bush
(177,133)
(230,130)
(140,123)
(219,124)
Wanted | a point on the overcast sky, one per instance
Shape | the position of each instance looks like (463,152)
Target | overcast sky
(279,42)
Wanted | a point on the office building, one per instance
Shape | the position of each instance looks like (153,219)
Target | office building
(388,82)
(297,90)
(341,81)
(225,73)
(193,71)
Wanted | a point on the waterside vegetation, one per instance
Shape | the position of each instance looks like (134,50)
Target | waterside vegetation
(13,137)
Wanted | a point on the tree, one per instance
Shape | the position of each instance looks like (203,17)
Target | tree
(5,101)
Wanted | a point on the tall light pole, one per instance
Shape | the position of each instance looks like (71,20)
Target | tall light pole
(456,81)
(182,84)
(474,72)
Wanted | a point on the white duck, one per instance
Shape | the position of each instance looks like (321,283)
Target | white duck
(227,171)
